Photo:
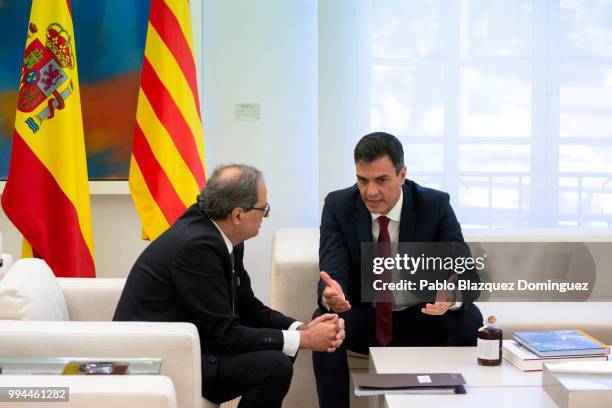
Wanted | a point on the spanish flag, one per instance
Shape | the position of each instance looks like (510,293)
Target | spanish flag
(46,194)
(167,166)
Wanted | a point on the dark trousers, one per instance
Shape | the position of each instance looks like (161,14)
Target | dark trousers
(262,378)
(411,327)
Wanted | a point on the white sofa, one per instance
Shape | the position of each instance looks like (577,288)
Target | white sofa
(295,273)
(91,333)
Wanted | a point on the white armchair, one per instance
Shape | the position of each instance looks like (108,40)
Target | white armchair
(176,343)
(295,274)
(293,290)
(91,333)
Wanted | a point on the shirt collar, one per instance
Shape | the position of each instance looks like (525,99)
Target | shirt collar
(228,243)
(396,212)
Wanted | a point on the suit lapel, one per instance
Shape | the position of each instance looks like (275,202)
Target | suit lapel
(362,220)
(408,221)
(228,263)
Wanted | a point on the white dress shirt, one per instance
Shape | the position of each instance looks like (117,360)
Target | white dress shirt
(291,336)
(400,301)
(395,216)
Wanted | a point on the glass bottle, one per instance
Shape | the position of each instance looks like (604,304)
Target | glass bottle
(490,343)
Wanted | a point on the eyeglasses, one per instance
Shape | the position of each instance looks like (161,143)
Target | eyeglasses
(265,209)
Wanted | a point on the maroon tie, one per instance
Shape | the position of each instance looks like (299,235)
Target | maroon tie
(384,315)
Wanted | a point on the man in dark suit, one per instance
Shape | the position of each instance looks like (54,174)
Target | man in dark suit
(387,208)
(194,273)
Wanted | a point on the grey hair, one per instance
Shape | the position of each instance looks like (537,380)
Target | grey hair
(223,193)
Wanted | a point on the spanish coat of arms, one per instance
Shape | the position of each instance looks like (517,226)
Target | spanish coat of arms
(45,73)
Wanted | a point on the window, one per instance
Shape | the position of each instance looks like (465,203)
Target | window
(507,105)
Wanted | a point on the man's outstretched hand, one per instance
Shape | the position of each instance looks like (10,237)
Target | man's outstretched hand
(445,299)
(333,296)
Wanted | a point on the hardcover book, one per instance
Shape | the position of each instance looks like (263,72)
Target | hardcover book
(525,360)
(555,343)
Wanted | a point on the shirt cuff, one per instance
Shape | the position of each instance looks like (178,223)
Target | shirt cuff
(295,325)
(325,304)
(291,339)
(456,306)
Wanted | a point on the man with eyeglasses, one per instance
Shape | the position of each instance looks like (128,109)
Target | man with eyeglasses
(194,273)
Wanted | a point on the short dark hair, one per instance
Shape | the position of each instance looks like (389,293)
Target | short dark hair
(224,193)
(379,144)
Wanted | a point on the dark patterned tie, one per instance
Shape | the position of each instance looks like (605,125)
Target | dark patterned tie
(384,314)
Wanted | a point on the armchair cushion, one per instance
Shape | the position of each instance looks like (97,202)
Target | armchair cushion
(29,291)
(91,299)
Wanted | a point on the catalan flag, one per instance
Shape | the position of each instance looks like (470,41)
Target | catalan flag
(46,194)
(167,166)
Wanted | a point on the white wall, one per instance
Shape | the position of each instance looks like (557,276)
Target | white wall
(341,123)
(262,52)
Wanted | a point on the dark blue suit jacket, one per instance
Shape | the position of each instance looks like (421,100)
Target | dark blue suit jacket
(427,216)
(185,275)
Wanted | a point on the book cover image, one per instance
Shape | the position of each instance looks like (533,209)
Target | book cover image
(560,341)
(95,368)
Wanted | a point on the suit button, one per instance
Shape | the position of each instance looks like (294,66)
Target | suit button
(268,340)
(212,359)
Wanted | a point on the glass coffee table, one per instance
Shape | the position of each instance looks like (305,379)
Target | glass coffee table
(93,365)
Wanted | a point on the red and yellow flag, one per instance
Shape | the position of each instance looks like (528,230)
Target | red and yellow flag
(46,194)
(167,167)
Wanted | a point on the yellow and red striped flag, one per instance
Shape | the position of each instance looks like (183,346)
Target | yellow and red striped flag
(167,167)
(46,194)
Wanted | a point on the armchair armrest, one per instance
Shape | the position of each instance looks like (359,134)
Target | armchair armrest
(146,391)
(178,344)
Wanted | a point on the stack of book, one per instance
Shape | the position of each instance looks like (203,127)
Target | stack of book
(530,350)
